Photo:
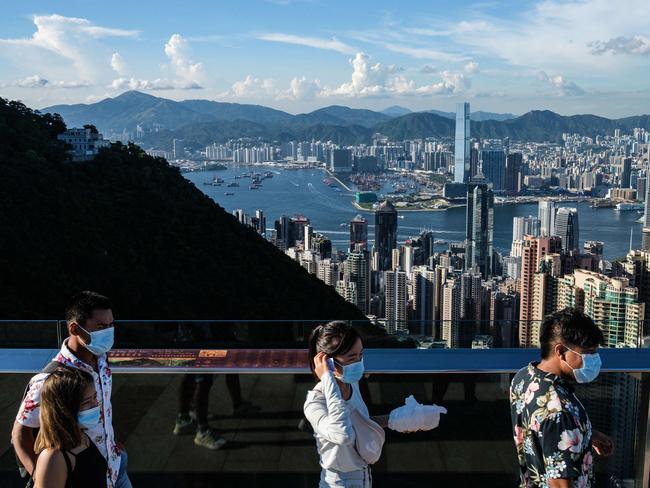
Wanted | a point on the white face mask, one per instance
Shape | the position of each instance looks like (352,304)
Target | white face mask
(590,369)
(101,341)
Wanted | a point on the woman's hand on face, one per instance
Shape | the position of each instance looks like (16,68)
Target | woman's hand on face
(320,365)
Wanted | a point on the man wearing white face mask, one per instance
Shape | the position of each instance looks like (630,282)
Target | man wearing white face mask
(552,431)
(91,333)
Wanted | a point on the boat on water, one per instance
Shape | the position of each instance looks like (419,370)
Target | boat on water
(344,224)
(440,241)
(233,184)
(400,216)
(229,194)
(628,206)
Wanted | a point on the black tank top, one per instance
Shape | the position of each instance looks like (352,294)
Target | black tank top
(89,469)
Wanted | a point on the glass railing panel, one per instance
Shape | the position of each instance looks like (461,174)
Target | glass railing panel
(30,334)
(271,447)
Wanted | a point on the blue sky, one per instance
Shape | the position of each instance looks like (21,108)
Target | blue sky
(580,56)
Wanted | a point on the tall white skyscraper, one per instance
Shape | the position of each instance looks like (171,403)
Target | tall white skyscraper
(525,226)
(546,216)
(462,149)
(567,227)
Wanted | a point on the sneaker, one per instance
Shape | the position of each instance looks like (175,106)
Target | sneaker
(245,408)
(209,439)
(184,426)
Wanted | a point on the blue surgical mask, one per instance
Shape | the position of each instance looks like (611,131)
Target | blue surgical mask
(89,418)
(590,369)
(352,373)
(101,341)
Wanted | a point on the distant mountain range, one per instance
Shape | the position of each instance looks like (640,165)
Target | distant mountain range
(201,122)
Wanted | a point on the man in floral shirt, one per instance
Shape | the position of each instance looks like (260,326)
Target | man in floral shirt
(552,431)
(91,328)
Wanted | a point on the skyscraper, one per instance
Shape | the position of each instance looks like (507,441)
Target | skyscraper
(493,164)
(479,227)
(546,216)
(462,149)
(385,234)
(567,227)
(396,300)
(358,269)
(512,176)
(424,280)
(532,287)
(358,233)
(525,226)
(450,328)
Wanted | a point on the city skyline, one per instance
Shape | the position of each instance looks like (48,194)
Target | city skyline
(496,55)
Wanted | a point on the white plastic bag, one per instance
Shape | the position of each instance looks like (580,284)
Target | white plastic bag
(414,416)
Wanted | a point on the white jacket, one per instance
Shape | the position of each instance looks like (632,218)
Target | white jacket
(329,416)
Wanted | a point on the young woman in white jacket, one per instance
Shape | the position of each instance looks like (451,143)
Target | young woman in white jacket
(336,358)
(347,438)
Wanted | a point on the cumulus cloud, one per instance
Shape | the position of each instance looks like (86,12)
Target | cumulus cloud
(118,64)
(301,88)
(68,37)
(157,84)
(639,45)
(471,68)
(186,73)
(252,87)
(177,50)
(562,86)
(428,69)
(367,78)
(328,44)
(36,81)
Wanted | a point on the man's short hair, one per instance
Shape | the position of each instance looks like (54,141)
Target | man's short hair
(571,327)
(82,306)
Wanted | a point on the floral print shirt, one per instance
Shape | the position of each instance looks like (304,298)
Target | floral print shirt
(102,435)
(551,429)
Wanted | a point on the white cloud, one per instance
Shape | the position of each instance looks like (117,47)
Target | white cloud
(177,50)
(68,37)
(327,44)
(422,52)
(118,64)
(367,79)
(301,88)
(251,87)
(562,86)
(471,68)
(157,84)
(558,36)
(377,79)
(36,81)
(622,45)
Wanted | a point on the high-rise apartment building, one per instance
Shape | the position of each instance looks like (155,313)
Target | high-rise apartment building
(358,233)
(450,317)
(396,298)
(462,147)
(512,174)
(358,270)
(424,284)
(493,165)
(525,226)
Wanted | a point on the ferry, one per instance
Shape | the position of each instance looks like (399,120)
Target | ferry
(627,206)
(440,241)
(234,184)
(228,194)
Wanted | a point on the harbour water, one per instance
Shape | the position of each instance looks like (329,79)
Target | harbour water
(292,192)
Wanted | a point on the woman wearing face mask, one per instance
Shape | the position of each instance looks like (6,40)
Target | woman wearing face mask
(67,458)
(347,438)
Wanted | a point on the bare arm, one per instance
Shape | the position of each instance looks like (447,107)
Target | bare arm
(52,471)
(560,483)
(22,438)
